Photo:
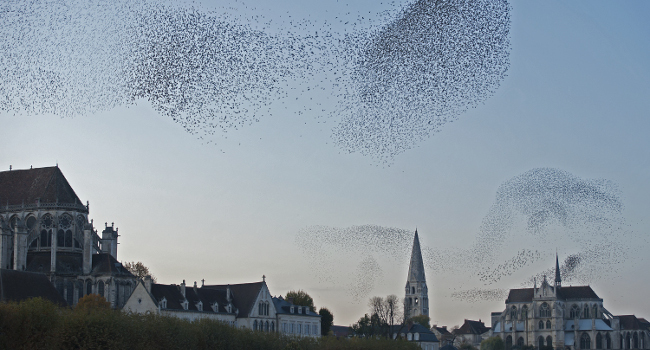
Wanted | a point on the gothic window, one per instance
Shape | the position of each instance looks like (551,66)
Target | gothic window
(595,311)
(524,312)
(60,238)
(636,340)
(540,342)
(549,342)
(266,326)
(520,342)
(585,341)
(47,221)
(259,309)
(513,312)
(575,311)
(69,293)
(586,312)
(80,289)
(416,301)
(544,310)
(100,288)
(548,324)
(255,325)
(272,326)
(509,342)
(642,344)
(89,287)
(608,341)
(541,324)
(68,239)
(31,222)
(65,221)
(13,222)
(599,341)
(628,341)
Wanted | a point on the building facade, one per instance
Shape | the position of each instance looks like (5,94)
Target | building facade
(44,227)
(416,299)
(558,317)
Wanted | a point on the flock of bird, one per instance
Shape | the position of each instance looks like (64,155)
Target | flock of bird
(554,209)
(393,80)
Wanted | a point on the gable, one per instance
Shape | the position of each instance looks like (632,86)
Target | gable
(48,185)
(140,301)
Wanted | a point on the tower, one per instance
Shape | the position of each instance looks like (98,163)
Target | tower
(558,279)
(416,300)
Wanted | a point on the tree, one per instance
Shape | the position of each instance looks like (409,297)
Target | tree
(92,302)
(362,327)
(466,346)
(300,298)
(326,320)
(392,308)
(139,270)
(492,343)
(421,319)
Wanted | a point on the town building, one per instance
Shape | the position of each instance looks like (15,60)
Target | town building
(565,317)
(416,333)
(246,305)
(416,299)
(45,228)
(471,332)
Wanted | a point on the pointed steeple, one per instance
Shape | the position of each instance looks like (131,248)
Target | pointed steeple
(416,268)
(558,279)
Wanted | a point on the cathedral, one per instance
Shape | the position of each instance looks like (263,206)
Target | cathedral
(416,300)
(44,227)
(552,316)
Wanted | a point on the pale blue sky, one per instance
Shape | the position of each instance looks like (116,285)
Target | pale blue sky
(575,99)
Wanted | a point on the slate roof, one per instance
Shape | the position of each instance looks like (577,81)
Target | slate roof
(631,322)
(564,293)
(22,285)
(341,331)
(472,327)
(243,295)
(442,330)
(19,187)
(172,293)
(105,264)
(284,307)
(425,334)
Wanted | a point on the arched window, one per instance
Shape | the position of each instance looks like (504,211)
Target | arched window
(541,324)
(100,288)
(513,312)
(520,342)
(266,326)
(628,341)
(540,342)
(595,310)
(635,339)
(544,310)
(509,342)
(575,311)
(68,239)
(524,312)
(255,325)
(585,314)
(642,344)
(412,290)
(45,239)
(585,341)
(549,342)
(89,287)
(69,292)
(608,341)
(259,309)
(548,324)
(599,341)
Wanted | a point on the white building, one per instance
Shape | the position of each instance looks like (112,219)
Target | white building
(296,320)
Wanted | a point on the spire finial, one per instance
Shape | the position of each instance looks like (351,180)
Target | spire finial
(558,278)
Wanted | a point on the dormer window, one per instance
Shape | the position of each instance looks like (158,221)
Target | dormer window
(292,309)
(163,303)
(199,306)
(185,305)
(215,307)
(299,310)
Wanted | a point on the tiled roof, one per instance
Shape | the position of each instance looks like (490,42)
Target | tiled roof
(564,293)
(243,295)
(22,285)
(472,327)
(105,264)
(25,186)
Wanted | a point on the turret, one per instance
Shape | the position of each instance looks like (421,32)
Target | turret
(109,240)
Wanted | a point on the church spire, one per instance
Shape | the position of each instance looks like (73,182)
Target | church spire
(558,279)
(416,268)
(416,301)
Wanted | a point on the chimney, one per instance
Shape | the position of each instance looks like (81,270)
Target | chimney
(183,288)
(147,283)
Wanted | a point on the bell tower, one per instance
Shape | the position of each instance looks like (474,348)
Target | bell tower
(416,300)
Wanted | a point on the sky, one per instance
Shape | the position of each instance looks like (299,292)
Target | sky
(279,196)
